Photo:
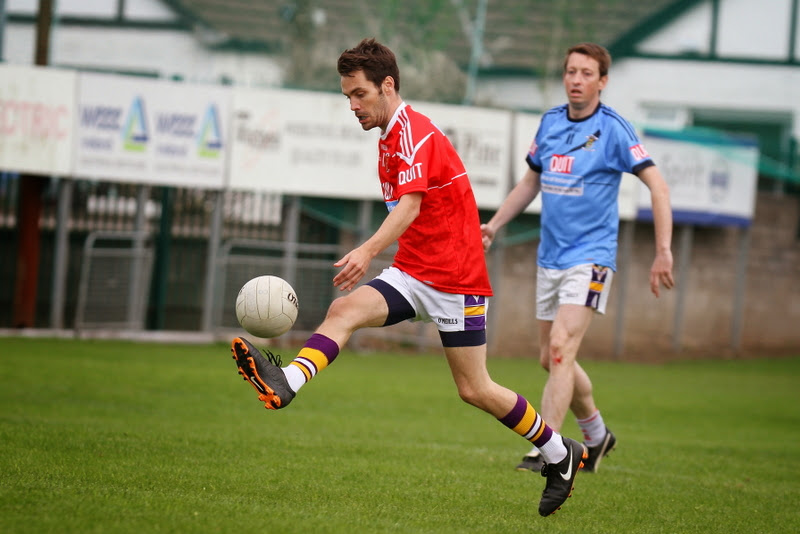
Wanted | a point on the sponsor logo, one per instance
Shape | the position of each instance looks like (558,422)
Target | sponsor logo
(209,138)
(101,117)
(719,180)
(177,124)
(32,119)
(407,176)
(568,475)
(258,139)
(534,147)
(590,139)
(257,384)
(478,147)
(134,133)
(388,191)
(638,152)
(588,145)
(561,164)
(446,320)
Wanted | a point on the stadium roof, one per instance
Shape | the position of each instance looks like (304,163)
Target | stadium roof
(518,37)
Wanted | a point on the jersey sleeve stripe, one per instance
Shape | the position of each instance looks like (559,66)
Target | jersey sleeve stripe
(608,112)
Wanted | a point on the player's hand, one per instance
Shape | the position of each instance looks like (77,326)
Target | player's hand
(661,273)
(355,264)
(487,236)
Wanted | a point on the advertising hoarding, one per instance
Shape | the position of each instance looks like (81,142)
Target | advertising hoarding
(37,111)
(711,177)
(301,143)
(151,131)
(482,137)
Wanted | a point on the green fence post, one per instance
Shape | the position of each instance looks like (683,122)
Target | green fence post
(158,294)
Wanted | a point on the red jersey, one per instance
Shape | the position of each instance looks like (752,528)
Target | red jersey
(443,246)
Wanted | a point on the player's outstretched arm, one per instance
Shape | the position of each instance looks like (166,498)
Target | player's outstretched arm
(661,270)
(356,262)
(516,201)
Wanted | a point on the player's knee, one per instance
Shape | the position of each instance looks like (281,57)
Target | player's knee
(556,356)
(339,311)
(470,395)
(467,395)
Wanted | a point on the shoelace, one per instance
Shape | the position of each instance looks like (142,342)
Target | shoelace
(274,359)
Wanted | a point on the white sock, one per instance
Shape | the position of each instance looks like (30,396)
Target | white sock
(554,450)
(593,428)
(294,376)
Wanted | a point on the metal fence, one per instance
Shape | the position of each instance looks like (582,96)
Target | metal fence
(307,267)
(80,217)
(134,257)
(117,268)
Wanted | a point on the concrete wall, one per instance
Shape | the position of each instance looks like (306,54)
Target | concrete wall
(771,318)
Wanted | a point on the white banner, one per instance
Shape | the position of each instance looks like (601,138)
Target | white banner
(151,131)
(525,127)
(482,137)
(712,178)
(301,143)
(37,112)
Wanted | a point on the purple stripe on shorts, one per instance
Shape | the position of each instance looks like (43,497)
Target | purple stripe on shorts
(474,322)
(325,345)
(513,417)
(474,300)
(477,322)
(599,275)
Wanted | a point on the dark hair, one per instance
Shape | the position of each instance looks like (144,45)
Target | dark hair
(375,59)
(594,51)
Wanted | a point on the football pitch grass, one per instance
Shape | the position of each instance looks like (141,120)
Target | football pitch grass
(109,436)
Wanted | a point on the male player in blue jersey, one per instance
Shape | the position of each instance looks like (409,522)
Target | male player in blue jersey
(576,160)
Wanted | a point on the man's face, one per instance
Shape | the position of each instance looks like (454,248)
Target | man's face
(582,81)
(367,101)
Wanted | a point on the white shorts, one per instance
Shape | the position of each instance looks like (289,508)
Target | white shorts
(450,312)
(584,285)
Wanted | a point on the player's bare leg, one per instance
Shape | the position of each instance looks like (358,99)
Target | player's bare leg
(475,386)
(559,341)
(564,455)
(582,404)
(275,385)
(364,307)
(564,336)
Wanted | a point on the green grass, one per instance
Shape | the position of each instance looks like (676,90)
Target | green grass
(102,436)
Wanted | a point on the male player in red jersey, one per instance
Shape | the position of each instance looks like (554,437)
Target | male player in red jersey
(439,272)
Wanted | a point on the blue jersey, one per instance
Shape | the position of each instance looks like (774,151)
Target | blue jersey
(581,164)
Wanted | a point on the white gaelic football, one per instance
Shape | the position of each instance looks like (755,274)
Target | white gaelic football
(266,306)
